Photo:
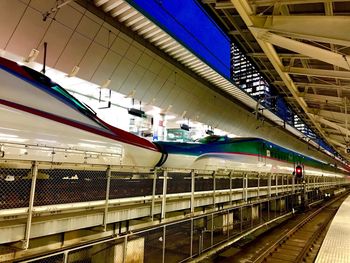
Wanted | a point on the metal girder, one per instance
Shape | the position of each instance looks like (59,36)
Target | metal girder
(335,142)
(322,98)
(317,85)
(332,115)
(224,5)
(331,131)
(281,55)
(338,137)
(246,13)
(288,2)
(318,72)
(306,49)
(326,29)
(331,124)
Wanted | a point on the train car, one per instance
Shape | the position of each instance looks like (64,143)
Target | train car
(249,154)
(41,121)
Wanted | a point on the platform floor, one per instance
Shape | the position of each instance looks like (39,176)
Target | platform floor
(336,245)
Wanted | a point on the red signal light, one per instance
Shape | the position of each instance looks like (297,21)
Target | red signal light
(299,171)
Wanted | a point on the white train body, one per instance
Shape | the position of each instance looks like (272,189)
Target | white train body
(36,125)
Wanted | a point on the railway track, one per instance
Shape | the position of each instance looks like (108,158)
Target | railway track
(302,242)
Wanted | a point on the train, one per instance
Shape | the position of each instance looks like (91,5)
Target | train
(40,120)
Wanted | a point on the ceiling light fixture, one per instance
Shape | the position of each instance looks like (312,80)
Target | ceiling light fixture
(74,72)
(32,55)
(106,84)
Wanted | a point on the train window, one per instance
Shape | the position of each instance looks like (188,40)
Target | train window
(213,138)
(44,80)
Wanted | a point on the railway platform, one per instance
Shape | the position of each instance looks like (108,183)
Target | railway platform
(335,247)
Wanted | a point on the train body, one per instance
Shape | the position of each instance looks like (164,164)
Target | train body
(39,120)
(246,154)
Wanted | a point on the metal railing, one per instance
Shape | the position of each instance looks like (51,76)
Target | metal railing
(29,187)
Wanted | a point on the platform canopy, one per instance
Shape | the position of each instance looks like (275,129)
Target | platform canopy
(302,47)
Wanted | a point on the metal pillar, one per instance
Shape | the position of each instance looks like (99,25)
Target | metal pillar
(153,193)
(163,255)
(241,219)
(245,187)
(214,190)
(192,190)
(34,174)
(191,244)
(108,175)
(231,187)
(228,224)
(251,215)
(125,248)
(65,257)
(165,180)
(258,185)
(269,185)
(212,230)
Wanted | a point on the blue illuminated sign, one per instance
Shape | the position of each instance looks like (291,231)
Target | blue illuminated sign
(189,24)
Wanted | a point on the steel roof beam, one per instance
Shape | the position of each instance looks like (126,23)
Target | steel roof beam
(258,3)
(317,85)
(318,72)
(317,28)
(224,5)
(322,98)
(331,124)
(281,55)
(306,49)
(246,13)
(337,143)
(331,115)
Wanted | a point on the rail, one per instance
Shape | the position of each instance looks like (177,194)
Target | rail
(269,251)
(33,188)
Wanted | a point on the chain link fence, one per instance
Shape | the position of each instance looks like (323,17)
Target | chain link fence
(15,187)
(61,186)
(173,242)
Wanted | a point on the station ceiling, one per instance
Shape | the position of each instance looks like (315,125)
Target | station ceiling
(303,48)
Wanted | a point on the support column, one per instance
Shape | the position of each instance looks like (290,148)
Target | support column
(214,190)
(131,250)
(153,193)
(34,174)
(245,187)
(192,190)
(269,185)
(258,185)
(108,175)
(231,187)
(165,180)
(191,244)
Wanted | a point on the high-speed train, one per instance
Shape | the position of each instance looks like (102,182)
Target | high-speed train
(40,120)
